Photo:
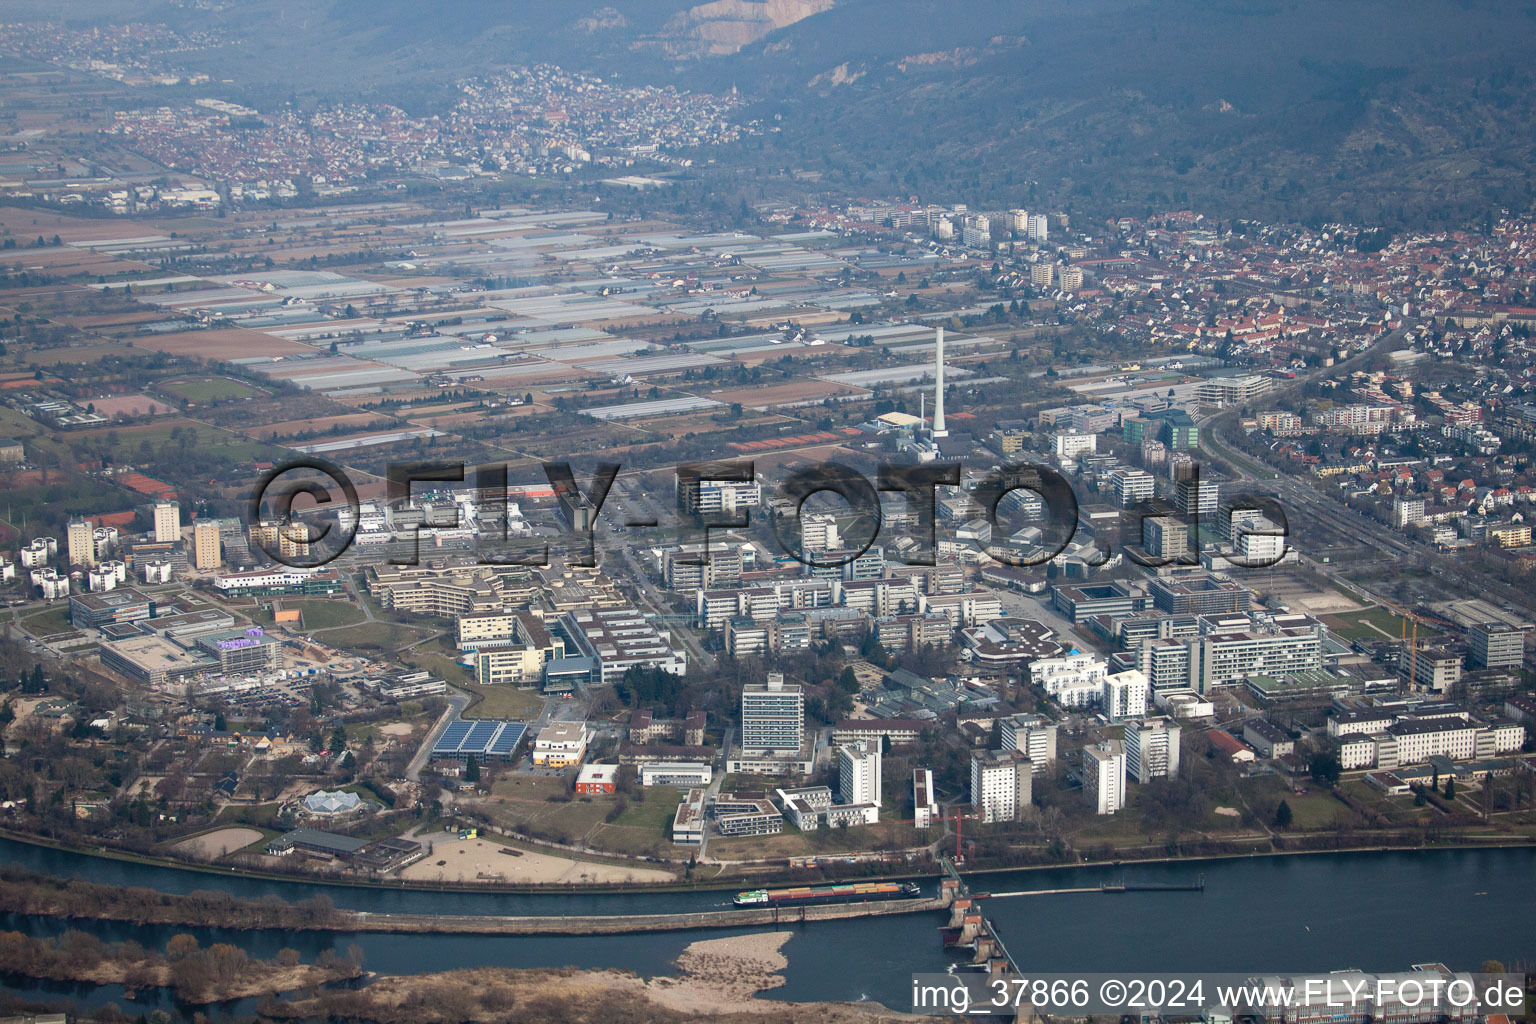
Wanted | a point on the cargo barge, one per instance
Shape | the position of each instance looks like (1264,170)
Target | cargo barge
(849,893)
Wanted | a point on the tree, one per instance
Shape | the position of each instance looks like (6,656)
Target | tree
(181,946)
(1326,768)
(1450,789)
(472,770)
(1283,815)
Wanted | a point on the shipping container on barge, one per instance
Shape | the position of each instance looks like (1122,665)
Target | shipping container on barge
(849,893)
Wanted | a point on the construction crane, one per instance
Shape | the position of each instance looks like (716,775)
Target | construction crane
(1410,637)
(957,818)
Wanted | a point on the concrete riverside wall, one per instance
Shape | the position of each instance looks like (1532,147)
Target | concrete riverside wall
(608,925)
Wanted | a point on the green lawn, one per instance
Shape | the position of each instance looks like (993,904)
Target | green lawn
(500,701)
(521,803)
(208,389)
(54,620)
(377,636)
(643,828)
(326,613)
(1314,809)
(1372,623)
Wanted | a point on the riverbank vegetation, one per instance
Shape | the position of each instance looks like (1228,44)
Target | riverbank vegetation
(28,893)
(195,973)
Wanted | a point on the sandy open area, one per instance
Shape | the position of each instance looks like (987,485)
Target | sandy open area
(213,845)
(1301,596)
(130,405)
(397,729)
(480,860)
(724,975)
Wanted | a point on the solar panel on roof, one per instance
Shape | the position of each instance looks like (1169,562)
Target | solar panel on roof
(452,736)
(507,738)
(480,736)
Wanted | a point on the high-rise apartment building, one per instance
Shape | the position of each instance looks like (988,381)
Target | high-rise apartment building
(1152,749)
(1104,776)
(1002,784)
(81,538)
(205,545)
(772,716)
(858,774)
(1496,645)
(1034,736)
(167,522)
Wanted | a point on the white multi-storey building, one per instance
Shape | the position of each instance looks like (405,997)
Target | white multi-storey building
(1152,749)
(1072,680)
(167,522)
(51,583)
(1218,659)
(1034,736)
(1001,784)
(1133,485)
(858,775)
(37,552)
(718,496)
(924,807)
(1071,445)
(82,543)
(1125,695)
(1104,776)
(772,716)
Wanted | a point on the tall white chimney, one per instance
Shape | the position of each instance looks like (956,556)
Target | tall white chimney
(938,381)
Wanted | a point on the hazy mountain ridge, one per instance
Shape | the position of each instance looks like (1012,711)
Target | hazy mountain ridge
(1362,107)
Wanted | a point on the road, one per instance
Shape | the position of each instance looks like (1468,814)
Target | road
(458,700)
(713,790)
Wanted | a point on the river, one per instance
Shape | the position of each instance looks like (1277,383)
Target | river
(1374,911)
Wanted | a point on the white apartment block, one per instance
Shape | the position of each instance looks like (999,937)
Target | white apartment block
(971,608)
(1152,749)
(1001,785)
(1034,736)
(721,496)
(1072,680)
(772,716)
(858,775)
(1104,776)
(1125,695)
(1220,659)
(1132,486)
(924,807)
(167,522)
(1072,445)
